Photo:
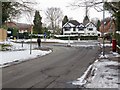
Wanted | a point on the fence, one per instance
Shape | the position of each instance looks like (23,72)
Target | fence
(3,34)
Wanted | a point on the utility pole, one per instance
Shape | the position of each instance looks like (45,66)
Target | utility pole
(103,50)
(31,40)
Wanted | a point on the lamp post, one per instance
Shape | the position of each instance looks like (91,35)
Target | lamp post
(69,40)
(69,37)
(103,50)
(31,41)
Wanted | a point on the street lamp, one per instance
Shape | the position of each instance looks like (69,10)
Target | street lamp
(68,36)
(103,50)
(31,41)
(69,40)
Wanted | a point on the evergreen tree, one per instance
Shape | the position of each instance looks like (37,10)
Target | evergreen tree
(118,20)
(11,10)
(98,24)
(86,20)
(37,23)
(65,20)
(6,8)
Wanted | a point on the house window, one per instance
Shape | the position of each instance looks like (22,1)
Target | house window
(67,29)
(88,33)
(74,29)
(80,29)
(90,29)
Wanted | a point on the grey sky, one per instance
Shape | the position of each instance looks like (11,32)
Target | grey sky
(75,13)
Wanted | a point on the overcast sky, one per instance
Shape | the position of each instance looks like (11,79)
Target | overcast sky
(77,14)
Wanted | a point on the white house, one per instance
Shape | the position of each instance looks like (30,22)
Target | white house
(73,27)
(90,29)
(70,27)
(80,29)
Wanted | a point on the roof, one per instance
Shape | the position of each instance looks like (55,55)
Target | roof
(21,26)
(74,22)
(90,23)
(81,25)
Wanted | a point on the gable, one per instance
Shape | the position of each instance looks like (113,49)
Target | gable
(68,25)
(90,25)
(81,25)
(72,25)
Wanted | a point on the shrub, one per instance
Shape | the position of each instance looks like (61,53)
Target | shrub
(118,39)
(5,47)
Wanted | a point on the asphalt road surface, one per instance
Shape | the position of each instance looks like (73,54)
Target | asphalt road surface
(56,70)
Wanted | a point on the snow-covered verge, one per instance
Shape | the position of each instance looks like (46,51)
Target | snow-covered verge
(44,40)
(17,54)
(103,73)
(10,57)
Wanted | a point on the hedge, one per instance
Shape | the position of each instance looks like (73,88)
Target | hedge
(76,38)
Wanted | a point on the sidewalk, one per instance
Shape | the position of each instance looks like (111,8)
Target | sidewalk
(103,73)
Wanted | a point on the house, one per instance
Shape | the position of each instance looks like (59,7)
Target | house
(90,29)
(80,29)
(73,27)
(109,25)
(22,27)
(70,27)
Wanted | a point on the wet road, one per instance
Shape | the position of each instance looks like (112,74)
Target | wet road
(56,70)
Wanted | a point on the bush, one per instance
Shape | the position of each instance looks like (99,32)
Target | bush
(36,36)
(5,47)
(118,39)
(88,37)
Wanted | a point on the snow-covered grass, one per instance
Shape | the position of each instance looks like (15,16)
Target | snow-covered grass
(18,53)
(12,56)
(55,41)
(44,40)
(103,73)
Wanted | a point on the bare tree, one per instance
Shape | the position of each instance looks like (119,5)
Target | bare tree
(54,16)
(88,4)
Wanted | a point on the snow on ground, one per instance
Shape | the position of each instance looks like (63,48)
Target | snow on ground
(19,53)
(44,40)
(103,74)
(12,56)
(106,45)
(83,45)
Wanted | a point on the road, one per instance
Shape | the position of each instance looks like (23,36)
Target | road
(56,70)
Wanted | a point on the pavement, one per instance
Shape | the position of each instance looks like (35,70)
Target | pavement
(95,82)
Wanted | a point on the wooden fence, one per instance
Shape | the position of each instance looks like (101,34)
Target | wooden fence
(3,34)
